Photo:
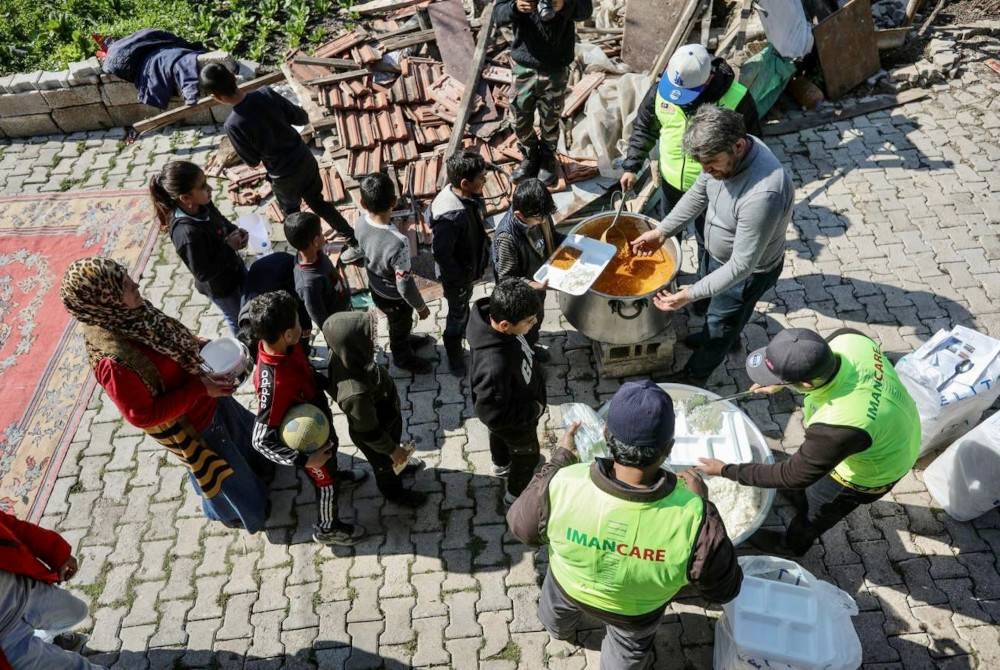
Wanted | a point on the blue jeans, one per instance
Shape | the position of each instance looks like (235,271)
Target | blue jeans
(27,606)
(229,305)
(242,502)
(728,313)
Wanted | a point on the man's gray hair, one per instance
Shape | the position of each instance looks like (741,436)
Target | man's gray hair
(714,130)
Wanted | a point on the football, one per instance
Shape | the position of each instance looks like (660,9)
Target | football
(305,428)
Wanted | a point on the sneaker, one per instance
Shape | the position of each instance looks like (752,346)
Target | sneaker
(547,167)
(350,478)
(414,364)
(413,464)
(501,470)
(409,498)
(509,499)
(345,535)
(773,542)
(419,341)
(74,642)
(352,254)
(541,354)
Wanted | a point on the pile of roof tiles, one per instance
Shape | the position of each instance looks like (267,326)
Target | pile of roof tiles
(397,114)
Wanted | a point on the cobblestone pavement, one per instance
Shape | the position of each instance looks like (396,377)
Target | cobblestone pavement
(896,233)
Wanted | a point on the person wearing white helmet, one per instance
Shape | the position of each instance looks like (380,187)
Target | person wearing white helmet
(692,78)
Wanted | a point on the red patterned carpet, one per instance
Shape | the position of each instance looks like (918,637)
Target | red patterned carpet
(45,382)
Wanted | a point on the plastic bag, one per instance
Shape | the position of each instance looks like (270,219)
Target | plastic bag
(766,74)
(965,479)
(779,634)
(259,230)
(951,403)
(786,26)
(589,437)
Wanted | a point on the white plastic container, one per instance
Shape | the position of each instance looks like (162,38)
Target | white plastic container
(965,479)
(226,359)
(786,618)
(259,230)
(731,444)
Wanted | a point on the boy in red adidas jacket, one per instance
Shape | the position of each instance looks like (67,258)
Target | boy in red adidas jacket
(32,560)
(283,378)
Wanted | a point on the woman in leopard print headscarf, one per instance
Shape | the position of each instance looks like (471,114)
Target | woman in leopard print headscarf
(150,366)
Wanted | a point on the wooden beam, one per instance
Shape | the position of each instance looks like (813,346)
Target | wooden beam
(681,29)
(339,63)
(475,67)
(173,115)
(832,116)
(411,40)
(930,19)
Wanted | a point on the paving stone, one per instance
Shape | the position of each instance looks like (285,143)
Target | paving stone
(266,634)
(430,642)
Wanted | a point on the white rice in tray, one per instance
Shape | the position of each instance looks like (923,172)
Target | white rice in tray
(738,505)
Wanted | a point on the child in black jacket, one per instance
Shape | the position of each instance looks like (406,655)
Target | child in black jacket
(508,390)
(204,239)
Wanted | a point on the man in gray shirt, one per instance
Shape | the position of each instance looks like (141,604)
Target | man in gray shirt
(747,196)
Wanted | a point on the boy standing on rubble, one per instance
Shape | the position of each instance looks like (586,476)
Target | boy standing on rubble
(542,51)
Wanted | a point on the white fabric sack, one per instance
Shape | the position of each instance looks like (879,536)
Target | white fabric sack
(965,479)
(601,131)
(786,27)
(950,403)
(782,609)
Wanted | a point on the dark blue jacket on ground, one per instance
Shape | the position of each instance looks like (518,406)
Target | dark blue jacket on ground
(159,63)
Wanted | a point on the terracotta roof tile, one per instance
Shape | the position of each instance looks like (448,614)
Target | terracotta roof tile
(341,44)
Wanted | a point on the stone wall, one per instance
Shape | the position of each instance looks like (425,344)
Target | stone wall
(78,98)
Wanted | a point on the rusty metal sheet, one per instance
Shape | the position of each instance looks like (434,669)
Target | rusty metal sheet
(453,36)
(648,26)
(848,52)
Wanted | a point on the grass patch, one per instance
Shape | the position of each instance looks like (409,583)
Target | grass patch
(410,648)
(511,652)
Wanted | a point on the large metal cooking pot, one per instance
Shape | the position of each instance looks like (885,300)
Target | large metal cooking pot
(618,319)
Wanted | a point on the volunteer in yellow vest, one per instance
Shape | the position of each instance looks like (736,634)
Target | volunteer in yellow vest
(692,78)
(862,431)
(624,535)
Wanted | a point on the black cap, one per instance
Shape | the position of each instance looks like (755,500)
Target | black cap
(794,355)
(641,414)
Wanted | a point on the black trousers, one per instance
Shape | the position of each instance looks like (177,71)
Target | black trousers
(391,420)
(306,184)
(399,314)
(518,448)
(822,506)
(458,296)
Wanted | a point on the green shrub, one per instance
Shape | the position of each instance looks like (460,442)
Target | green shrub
(51,33)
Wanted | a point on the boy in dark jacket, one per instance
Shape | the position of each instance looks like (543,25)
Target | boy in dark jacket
(367,395)
(524,239)
(32,560)
(542,51)
(508,389)
(317,282)
(283,378)
(460,245)
(260,128)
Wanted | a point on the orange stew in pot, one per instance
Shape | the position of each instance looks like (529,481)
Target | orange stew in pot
(628,274)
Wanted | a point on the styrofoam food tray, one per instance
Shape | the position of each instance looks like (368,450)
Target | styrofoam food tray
(731,445)
(578,278)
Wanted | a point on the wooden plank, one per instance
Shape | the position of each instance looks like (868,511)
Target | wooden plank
(475,68)
(834,115)
(453,37)
(338,63)
(579,93)
(377,6)
(647,22)
(166,118)
(845,42)
(706,25)
(930,19)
